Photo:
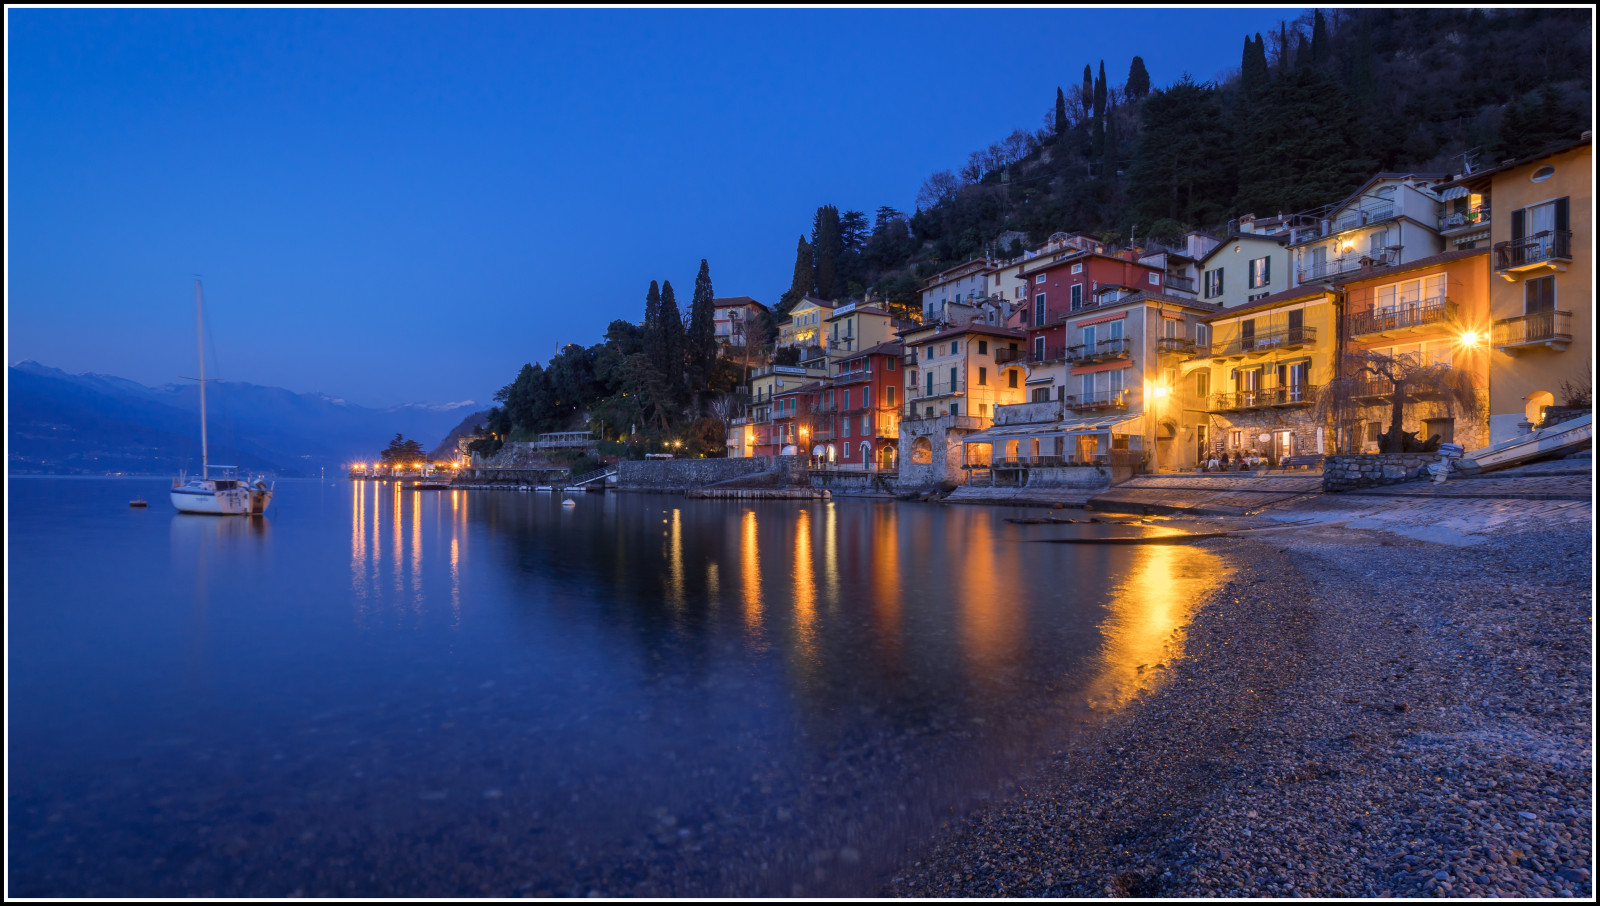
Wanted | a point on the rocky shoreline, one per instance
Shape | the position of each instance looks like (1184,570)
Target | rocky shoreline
(1356,714)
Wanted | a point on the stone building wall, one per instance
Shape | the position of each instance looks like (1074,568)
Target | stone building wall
(856,484)
(1300,420)
(682,474)
(1347,473)
(944,454)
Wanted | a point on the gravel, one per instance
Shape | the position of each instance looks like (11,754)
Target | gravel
(1357,714)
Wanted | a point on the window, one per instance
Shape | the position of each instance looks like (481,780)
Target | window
(891,364)
(955,408)
(866,397)
(1077,296)
(866,425)
(1038,310)
(953,385)
(888,395)
(1039,279)
(983,409)
(1089,336)
(983,377)
(1542,174)
(846,427)
(1019,292)
(955,346)
(1155,279)
(1260,272)
(983,347)
(1258,296)
(845,400)
(1077,268)
(1202,334)
(1213,283)
(1038,349)
(1202,384)
(1012,373)
(1444,427)
(1235,438)
(1041,395)
(1541,295)
(930,353)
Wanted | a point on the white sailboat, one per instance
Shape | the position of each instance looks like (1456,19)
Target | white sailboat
(216,496)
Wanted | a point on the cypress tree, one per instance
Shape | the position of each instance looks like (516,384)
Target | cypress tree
(1138,79)
(1109,160)
(652,314)
(1061,111)
(1097,129)
(827,248)
(702,328)
(804,282)
(671,348)
(1087,97)
(1319,40)
(1302,53)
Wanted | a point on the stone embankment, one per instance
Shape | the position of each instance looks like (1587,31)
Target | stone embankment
(1357,714)
(737,478)
(1348,473)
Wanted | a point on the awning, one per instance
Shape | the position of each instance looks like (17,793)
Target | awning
(1471,237)
(1453,193)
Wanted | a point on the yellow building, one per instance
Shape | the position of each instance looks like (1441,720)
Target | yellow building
(854,327)
(806,325)
(1541,296)
(1254,388)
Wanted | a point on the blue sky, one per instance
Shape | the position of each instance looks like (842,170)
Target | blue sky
(406,205)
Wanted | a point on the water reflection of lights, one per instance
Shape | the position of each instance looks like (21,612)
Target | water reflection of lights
(805,583)
(1143,632)
(750,572)
(989,600)
(886,570)
(830,554)
(675,560)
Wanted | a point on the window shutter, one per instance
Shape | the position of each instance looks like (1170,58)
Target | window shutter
(1562,223)
(1516,225)
(1266,270)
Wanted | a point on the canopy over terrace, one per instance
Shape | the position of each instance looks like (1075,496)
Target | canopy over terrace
(1082,440)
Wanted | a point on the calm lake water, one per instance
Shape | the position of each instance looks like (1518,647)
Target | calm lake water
(400,693)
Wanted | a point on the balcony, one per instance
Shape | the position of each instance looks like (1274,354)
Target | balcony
(1103,351)
(1552,329)
(1175,346)
(1268,398)
(1461,221)
(916,415)
(1347,264)
(1105,399)
(1256,344)
(1376,390)
(1550,249)
(1406,318)
(1047,354)
(1355,220)
(1002,356)
(1181,284)
(932,391)
(850,377)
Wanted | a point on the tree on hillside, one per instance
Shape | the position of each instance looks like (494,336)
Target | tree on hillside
(1536,124)
(804,282)
(1097,148)
(670,348)
(1294,154)
(937,189)
(403,451)
(1178,171)
(1061,112)
(702,338)
(652,317)
(1086,96)
(1138,80)
(1319,40)
(827,248)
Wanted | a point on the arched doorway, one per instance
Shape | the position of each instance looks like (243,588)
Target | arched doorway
(1537,401)
(922,451)
(866,454)
(887,457)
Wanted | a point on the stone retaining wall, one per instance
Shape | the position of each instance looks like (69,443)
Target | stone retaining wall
(1347,473)
(684,474)
(857,484)
(1075,477)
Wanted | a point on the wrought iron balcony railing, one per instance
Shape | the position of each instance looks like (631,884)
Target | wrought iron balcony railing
(1405,316)
(1550,245)
(1346,264)
(1548,327)
(1174,345)
(1286,338)
(1002,356)
(1105,399)
(1292,395)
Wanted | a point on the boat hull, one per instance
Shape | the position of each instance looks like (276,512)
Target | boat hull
(235,502)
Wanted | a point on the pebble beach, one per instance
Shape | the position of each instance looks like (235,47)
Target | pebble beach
(1355,714)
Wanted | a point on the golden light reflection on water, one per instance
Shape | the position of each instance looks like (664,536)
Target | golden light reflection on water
(991,608)
(399,541)
(885,553)
(358,542)
(830,554)
(416,550)
(675,560)
(1148,612)
(750,572)
(805,583)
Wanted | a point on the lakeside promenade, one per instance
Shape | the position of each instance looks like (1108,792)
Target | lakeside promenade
(1393,701)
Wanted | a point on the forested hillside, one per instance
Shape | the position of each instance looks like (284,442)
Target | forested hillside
(1314,109)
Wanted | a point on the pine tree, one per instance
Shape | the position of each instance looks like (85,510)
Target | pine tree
(1061,111)
(1138,79)
(702,337)
(827,248)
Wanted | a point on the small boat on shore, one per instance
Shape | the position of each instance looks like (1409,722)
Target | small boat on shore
(138,503)
(544,487)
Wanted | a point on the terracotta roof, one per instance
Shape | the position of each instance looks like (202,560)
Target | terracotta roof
(1142,296)
(992,330)
(1233,236)
(814,385)
(734,302)
(1276,299)
(892,347)
(1420,263)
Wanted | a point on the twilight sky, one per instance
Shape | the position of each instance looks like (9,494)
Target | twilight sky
(405,205)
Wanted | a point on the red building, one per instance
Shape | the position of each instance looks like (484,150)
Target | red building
(859,413)
(1071,283)
(794,420)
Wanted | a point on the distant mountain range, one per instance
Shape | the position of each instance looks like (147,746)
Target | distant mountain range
(92,424)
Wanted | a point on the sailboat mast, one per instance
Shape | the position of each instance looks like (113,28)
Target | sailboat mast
(200,342)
